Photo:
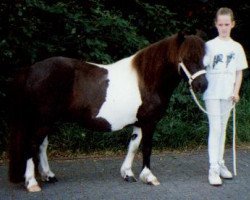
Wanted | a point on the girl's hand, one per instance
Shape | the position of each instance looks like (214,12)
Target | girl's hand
(236,98)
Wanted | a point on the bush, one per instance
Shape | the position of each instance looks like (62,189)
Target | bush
(72,137)
(34,29)
(105,31)
(243,111)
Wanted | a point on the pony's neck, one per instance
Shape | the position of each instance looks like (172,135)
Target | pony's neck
(156,65)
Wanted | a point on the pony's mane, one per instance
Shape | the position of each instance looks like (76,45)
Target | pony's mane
(152,61)
(192,49)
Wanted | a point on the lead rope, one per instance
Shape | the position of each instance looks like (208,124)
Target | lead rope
(234,141)
(234,125)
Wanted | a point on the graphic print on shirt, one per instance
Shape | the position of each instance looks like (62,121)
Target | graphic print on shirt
(217,58)
(229,58)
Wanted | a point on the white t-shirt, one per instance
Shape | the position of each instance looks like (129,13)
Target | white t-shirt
(222,60)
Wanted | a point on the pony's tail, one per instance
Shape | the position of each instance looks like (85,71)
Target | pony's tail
(17,147)
(17,155)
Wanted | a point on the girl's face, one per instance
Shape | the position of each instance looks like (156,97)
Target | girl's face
(224,25)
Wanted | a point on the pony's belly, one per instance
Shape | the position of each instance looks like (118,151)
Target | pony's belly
(118,115)
(123,97)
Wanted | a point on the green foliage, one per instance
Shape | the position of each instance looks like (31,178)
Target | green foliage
(3,125)
(184,125)
(157,22)
(105,31)
(243,112)
(77,139)
(37,29)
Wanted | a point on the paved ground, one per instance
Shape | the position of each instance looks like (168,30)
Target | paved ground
(182,176)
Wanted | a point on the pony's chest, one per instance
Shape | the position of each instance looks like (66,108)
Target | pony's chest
(123,98)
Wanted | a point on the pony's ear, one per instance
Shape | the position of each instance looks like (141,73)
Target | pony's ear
(200,33)
(181,36)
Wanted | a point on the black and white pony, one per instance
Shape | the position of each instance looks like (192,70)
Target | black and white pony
(133,91)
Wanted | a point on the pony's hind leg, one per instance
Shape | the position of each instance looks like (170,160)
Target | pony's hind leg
(147,135)
(23,151)
(44,169)
(30,180)
(126,170)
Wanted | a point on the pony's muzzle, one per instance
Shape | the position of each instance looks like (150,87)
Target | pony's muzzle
(200,84)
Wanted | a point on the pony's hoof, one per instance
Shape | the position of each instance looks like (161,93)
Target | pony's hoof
(147,177)
(34,188)
(52,180)
(48,179)
(130,179)
(154,182)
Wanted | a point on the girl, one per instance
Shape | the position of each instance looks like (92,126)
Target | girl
(224,60)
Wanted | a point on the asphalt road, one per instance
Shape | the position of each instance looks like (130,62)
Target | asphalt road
(182,176)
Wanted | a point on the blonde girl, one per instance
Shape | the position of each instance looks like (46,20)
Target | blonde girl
(224,60)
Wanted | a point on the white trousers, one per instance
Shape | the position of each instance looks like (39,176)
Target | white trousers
(217,129)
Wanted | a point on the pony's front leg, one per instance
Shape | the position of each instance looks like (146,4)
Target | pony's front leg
(126,171)
(147,136)
(46,174)
(30,180)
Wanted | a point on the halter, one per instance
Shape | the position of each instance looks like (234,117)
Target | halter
(190,80)
(188,74)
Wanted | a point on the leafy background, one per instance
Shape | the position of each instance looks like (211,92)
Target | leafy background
(105,31)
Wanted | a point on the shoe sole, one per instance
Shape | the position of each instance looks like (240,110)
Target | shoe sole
(226,178)
(216,185)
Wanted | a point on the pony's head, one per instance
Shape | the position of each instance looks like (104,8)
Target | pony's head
(190,55)
(158,62)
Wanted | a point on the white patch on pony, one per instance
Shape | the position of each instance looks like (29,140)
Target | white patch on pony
(44,168)
(147,177)
(30,181)
(133,147)
(123,97)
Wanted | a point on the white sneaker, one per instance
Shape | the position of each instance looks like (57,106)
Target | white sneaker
(214,177)
(224,172)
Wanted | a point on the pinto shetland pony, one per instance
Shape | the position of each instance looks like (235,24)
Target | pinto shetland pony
(133,91)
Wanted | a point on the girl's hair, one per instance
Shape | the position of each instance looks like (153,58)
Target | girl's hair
(224,11)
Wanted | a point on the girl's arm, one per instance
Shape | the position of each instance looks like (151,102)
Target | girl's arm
(237,86)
